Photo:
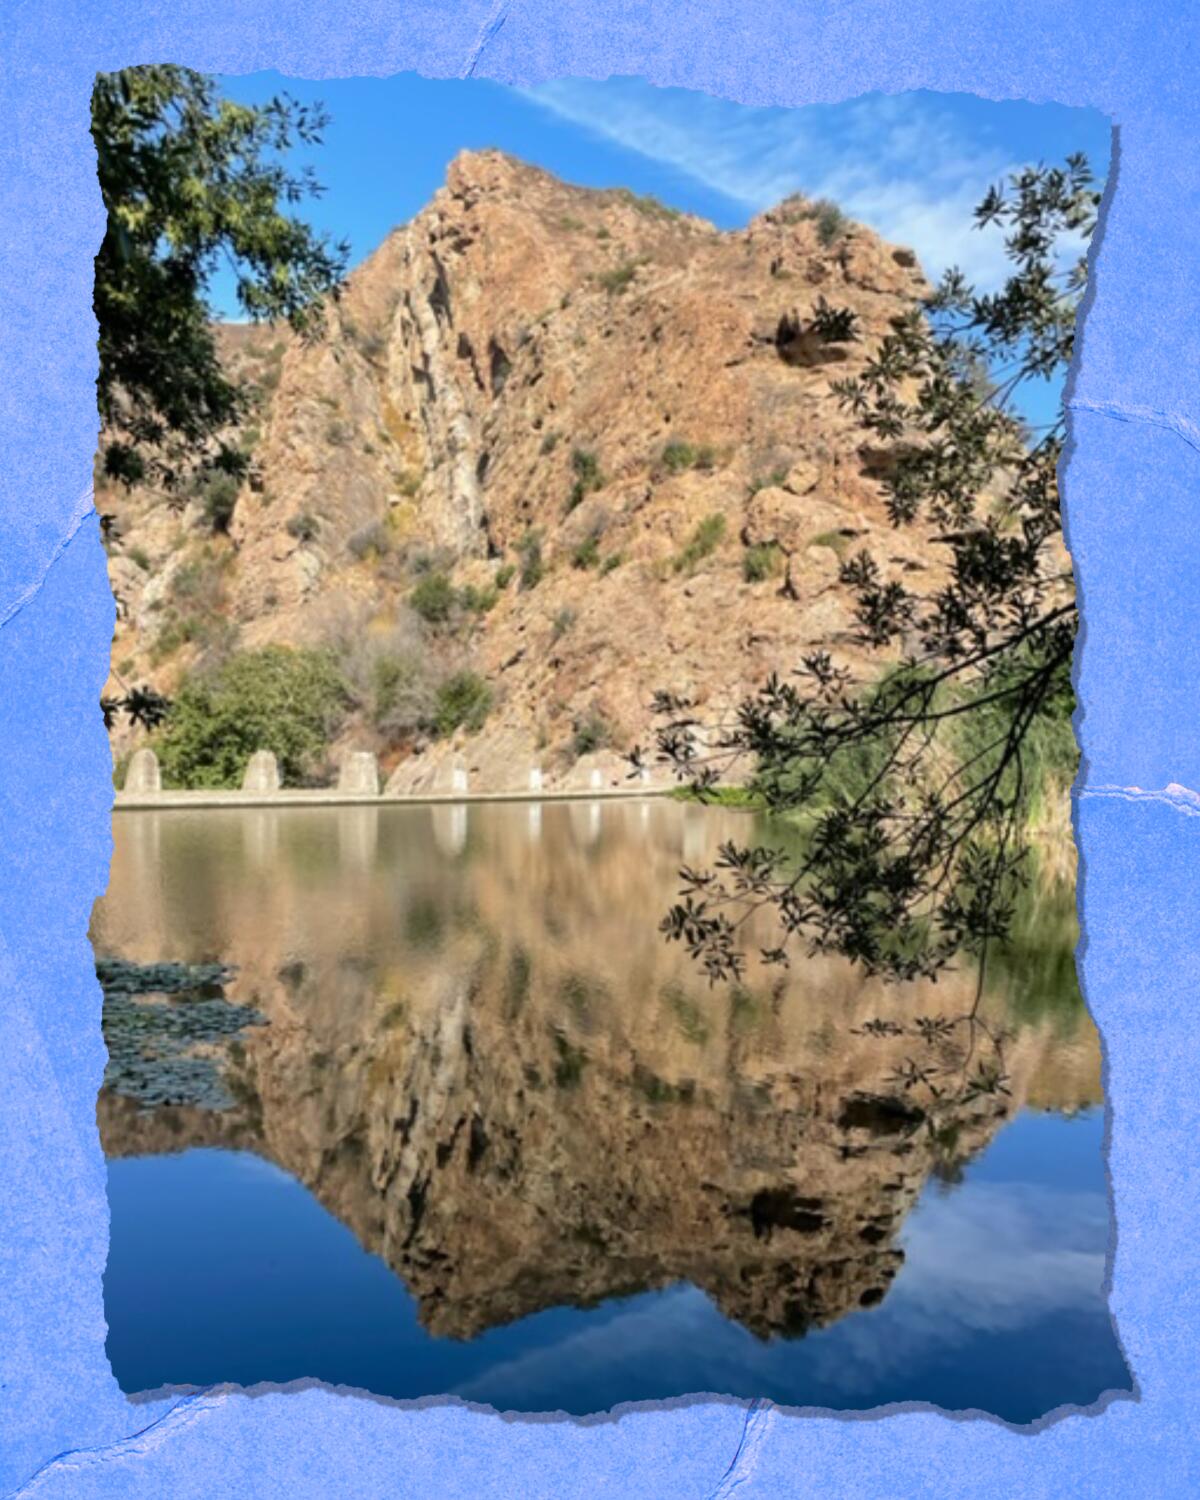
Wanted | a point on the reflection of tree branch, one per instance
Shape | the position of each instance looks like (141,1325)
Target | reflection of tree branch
(906,862)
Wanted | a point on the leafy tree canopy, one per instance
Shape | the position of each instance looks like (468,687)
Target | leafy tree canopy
(279,699)
(189,179)
(915,786)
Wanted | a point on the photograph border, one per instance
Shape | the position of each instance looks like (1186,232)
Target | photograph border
(1131,480)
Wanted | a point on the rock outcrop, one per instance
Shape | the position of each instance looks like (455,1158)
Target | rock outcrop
(610,423)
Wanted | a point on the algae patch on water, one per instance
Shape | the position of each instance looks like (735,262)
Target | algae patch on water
(165,1025)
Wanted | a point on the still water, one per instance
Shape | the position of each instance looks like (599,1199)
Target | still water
(484,1133)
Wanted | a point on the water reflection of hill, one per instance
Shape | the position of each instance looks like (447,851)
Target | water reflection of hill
(483,1058)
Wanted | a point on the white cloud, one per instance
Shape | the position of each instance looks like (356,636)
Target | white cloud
(984,1260)
(896,163)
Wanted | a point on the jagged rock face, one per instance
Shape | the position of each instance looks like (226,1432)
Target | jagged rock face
(517,1094)
(514,321)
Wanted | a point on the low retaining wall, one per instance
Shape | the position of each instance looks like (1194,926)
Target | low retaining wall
(358,782)
(331,797)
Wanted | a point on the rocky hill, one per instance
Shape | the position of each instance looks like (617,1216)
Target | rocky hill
(568,443)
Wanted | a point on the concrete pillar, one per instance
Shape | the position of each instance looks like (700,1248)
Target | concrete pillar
(359,774)
(142,774)
(451,776)
(262,773)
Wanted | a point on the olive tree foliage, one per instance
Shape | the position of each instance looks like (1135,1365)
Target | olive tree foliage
(191,180)
(913,782)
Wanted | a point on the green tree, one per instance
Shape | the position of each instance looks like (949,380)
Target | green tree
(434,598)
(464,699)
(915,786)
(279,699)
(190,179)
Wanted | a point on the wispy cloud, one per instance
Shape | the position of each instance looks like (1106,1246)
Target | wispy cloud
(901,164)
(984,1261)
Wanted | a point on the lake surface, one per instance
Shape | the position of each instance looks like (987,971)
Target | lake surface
(461,1122)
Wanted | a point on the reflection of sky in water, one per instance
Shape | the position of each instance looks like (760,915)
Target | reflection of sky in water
(222,1267)
(504,963)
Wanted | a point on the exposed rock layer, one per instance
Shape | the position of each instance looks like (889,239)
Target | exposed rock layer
(516,322)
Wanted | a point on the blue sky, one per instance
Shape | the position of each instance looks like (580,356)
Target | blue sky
(911,166)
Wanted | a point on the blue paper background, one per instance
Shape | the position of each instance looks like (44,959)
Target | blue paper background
(1131,494)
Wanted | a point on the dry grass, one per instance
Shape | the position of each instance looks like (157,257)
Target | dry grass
(1052,837)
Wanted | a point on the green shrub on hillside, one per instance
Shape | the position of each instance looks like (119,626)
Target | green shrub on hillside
(704,541)
(767,481)
(533,569)
(761,562)
(563,621)
(434,598)
(195,612)
(408,482)
(304,526)
(678,455)
(200,581)
(218,494)
(831,222)
(587,476)
(463,701)
(646,203)
(279,699)
(401,691)
(214,634)
(390,673)
(478,600)
(619,278)
(370,542)
(591,732)
(836,541)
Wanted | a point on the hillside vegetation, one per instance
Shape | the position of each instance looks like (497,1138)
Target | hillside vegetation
(557,449)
